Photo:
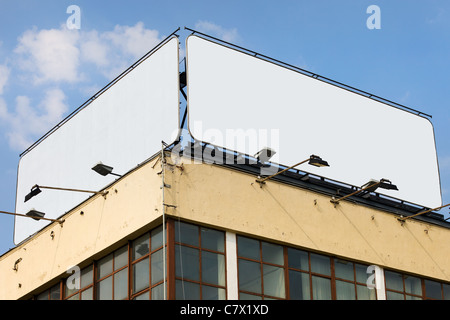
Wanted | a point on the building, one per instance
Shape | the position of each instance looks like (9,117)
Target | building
(196,225)
(228,237)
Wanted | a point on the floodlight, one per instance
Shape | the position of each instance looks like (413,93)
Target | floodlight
(265,154)
(370,186)
(317,161)
(35,190)
(34,214)
(104,170)
(312,160)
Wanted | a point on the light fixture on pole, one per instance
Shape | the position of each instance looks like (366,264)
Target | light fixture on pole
(403,219)
(312,160)
(265,154)
(370,186)
(34,214)
(104,170)
(36,189)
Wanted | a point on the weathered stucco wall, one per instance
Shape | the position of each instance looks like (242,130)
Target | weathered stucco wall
(132,203)
(230,199)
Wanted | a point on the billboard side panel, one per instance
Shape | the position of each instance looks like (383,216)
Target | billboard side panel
(122,127)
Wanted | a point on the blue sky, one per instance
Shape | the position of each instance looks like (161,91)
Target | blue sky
(47,70)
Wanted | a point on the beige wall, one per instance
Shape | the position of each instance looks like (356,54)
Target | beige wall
(230,200)
(133,203)
(234,201)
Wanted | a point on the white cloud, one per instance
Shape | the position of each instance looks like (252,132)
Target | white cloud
(27,121)
(49,55)
(229,35)
(4,75)
(134,41)
(113,51)
(49,58)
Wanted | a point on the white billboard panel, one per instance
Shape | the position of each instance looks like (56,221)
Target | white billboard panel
(230,91)
(122,127)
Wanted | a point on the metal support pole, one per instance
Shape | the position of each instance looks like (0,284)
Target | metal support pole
(38,218)
(336,201)
(262,181)
(403,219)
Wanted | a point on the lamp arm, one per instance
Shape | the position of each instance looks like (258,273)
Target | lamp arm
(333,200)
(279,172)
(76,190)
(23,215)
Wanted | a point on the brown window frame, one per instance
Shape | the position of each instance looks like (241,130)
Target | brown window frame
(201,249)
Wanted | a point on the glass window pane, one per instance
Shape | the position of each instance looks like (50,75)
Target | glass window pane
(43,296)
(320,264)
(446,292)
(213,268)
(141,274)
(185,290)
(186,233)
(246,296)
(75,297)
(70,286)
(105,266)
(394,280)
(140,246)
(433,289)
(249,276)
(87,294)
(213,239)
(274,281)
(157,238)
(143,296)
(344,269)
(213,293)
(157,266)
(364,293)
(55,292)
(121,258)
(299,288)
(187,263)
(121,284)
(248,248)
(408,297)
(158,292)
(413,285)
(298,259)
(345,290)
(321,288)
(272,253)
(104,290)
(394,296)
(87,276)
(361,273)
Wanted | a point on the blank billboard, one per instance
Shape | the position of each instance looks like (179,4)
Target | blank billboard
(235,96)
(122,127)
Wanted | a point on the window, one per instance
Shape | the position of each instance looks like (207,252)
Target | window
(54,293)
(199,263)
(112,276)
(406,287)
(271,271)
(147,280)
(261,270)
(80,287)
